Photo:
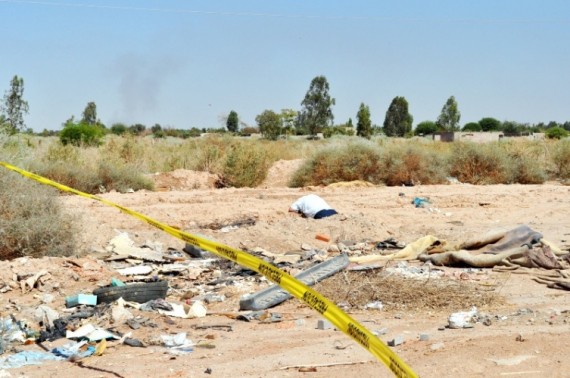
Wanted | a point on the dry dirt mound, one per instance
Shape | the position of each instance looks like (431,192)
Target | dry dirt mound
(280,173)
(351,184)
(183,179)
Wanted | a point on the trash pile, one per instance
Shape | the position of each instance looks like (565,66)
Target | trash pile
(130,286)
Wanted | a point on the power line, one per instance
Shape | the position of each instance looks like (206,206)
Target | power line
(298,16)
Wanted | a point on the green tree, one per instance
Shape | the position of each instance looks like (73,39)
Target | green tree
(426,128)
(511,127)
(14,106)
(472,126)
(269,124)
(232,123)
(288,121)
(398,121)
(90,114)
(489,124)
(363,122)
(137,129)
(118,128)
(449,118)
(317,113)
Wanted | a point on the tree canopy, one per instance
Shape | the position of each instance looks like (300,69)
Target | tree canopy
(426,128)
(398,121)
(317,113)
(90,114)
(472,126)
(269,124)
(14,106)
(232,123)
(489,124)
(363,123)
(449,118)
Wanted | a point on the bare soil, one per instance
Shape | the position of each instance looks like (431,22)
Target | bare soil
(527,333)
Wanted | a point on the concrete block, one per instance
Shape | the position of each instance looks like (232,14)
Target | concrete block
(323,324)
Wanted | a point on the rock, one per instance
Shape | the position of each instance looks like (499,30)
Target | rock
(306,247)
(333,248)
(398,340)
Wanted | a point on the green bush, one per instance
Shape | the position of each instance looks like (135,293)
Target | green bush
(32,222)
(556,133)
(81,134)
(330,131)
(426,128)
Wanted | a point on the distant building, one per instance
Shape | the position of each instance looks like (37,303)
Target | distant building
(483,137)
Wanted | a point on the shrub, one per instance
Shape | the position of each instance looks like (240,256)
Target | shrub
(413,164)
(556,133)
(246,165)
(76,176)
(479,164)
(63,153)
(32,222)
(525,161)
(329,131)
(122,177)
(560,156)
(352,161)
(125,149)
(81,134)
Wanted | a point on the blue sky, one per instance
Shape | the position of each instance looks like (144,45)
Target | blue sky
(188,63)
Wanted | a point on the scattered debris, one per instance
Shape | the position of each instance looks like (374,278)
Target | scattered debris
(462,319)
(81,299)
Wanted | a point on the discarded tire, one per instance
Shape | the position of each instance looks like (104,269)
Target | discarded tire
(139,292)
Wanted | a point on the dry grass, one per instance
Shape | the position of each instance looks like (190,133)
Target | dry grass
(399,293)
(32,222)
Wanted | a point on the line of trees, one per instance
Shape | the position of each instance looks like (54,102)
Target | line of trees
(314,117)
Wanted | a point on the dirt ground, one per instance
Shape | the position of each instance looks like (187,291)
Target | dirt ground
(527,336)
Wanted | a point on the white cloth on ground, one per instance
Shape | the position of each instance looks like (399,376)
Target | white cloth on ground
(310,205)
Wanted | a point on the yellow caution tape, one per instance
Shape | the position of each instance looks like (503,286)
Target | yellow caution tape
(315,300)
